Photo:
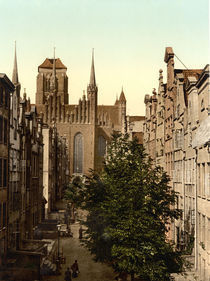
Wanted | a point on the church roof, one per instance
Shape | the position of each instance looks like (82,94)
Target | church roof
(48,63)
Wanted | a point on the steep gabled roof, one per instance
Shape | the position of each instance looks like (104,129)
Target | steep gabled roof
(48,63)
(188,73)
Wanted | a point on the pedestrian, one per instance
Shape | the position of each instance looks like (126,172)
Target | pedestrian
(75,269)
(80,232)
(68,275)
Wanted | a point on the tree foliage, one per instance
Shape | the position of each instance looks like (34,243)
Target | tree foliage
(130,205)
(74,191)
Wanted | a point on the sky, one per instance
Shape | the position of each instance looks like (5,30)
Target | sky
(129,38)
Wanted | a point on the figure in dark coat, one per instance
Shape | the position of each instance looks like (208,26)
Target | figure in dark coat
(75,269)
(80,232)
(68,275)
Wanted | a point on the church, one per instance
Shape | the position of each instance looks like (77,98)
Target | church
(86,126)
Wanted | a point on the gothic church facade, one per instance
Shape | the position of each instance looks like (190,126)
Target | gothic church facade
(87,126)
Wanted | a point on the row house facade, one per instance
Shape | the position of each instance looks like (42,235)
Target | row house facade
(23,148)
(55,167)
(14,193)
(6,89)
(176,136)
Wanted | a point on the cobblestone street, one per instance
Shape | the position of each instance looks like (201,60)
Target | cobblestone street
(89,270)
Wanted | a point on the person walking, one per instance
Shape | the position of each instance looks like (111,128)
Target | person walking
(68,275)
(80,232)
(75,269)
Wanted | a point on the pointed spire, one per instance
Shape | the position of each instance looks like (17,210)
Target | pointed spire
(53,77)
(54,67)
(122,96)
(92,73)
(15,69)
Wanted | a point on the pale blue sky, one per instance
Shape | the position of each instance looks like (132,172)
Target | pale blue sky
(129,38)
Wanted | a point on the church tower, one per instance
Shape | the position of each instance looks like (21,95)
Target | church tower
(52,90)
(92,93)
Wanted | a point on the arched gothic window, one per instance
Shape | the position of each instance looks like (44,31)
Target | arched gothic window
(78,153)
(101,146)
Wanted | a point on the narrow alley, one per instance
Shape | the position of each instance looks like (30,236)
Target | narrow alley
(89,269)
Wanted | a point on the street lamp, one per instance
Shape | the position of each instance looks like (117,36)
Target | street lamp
(58,256)
(59,228)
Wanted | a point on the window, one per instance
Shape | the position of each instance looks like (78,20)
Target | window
(0,216)
(178,139)
(6,99)
(4,215)
(1,129)
(78,153)
(5,131)
(1,95)
(1,172)
(5,173)
(101,146)
(209,233)
(15,130)
(202,105)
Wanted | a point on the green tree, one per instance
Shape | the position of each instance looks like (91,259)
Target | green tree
(74,191)
(130,205)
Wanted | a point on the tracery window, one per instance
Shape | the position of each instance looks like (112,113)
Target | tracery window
(101,146)
(78,153)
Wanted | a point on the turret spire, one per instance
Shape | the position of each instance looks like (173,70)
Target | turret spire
(15,69)
(53,77)
(122,97)
(54,68)
(92,73)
